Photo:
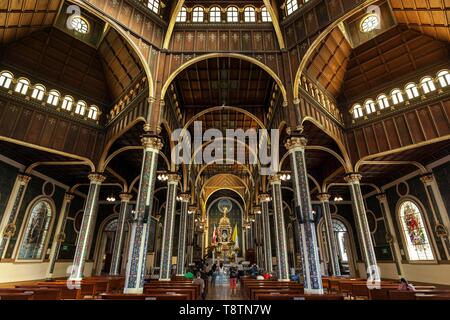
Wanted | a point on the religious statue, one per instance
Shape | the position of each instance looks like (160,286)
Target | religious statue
(224,229)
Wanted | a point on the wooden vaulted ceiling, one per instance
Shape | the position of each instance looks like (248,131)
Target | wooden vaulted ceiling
(63,62)
(431,17)
(21,18)
(418,41)
(224,81)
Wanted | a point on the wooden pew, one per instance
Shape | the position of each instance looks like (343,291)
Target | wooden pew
(285,296)
(38,293)
(65,292)
(274,288)
(172,286)
(109,296)
(16,296)
(256,292)
(190,292)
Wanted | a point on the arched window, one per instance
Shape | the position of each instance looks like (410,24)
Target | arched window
(215,14)
(53,98)
(370,106)
(36,231)
(291,6)
(444,78)
(80,108)
(198,14)
(383,102)
(22,86)
(67,103)
(412,91)
(93,113)
(397,96)
(265,15)
(232,14)
(357,111)
(80,24)
(428,85)
(182,15)
(38,92)
(6,79)
(249,14)
(153,5)
(370,23)
(415,232)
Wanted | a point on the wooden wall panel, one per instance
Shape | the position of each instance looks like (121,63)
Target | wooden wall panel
(427,122)
(43,129)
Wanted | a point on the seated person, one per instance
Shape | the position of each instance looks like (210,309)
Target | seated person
(267,276)
(405,285)
(201,282)
(260,277)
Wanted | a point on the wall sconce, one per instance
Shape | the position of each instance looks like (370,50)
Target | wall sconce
(338,199)
(111,198)
(163,177)
(285,176)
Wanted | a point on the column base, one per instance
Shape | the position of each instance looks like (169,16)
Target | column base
(164,279)
(314,291)
(133,290)
(180,275)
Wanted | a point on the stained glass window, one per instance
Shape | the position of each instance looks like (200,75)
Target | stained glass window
(444,78)
(232,14)
(415,233)
(22,86)
(265,15)
(36,232)
(291,6)
(370,23)
(215,14)
(93,113)
(80,25)
(6,79)
(38,92)
(428,85)
(412,91)
(198,14)
(249,14)
(153,5)
(182,15)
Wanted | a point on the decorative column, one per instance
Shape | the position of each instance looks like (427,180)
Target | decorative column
(324,199)
(169,221)
(120,233)
(280,233)
(391,237)
(192,211)
(60,236)
(137,252)
(440,215)
(264,199)
(181,256)
(303,211)
(7,227)
(87,226)
(259,240)
(362,226)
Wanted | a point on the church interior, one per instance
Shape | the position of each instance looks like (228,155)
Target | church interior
(352,99)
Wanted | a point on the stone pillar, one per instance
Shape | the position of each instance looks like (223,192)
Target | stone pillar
(87,227)
(324,199)
(303,211)
(438,209)
(7,227)
(391,237)
(181,256)
(362,226)
(60,236)
(120,234)
(280,233)
(264,199)
(137,252)
(169,221)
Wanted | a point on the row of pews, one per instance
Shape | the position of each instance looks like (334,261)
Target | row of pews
(89,288)
(276,290)
(388,290)
(101,288)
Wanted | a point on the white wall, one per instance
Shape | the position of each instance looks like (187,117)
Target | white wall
(17,272)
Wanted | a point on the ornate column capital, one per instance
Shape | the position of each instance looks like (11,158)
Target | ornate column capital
(184,197)
(353,178)
(152,142)
(275,179)
(151,100)
(296,142)
(173,178)
(23,178)
(125,197)
(68,197)
(324,197)
(427,179)
(381,197)
(296,101)
(264,197)
(96,178)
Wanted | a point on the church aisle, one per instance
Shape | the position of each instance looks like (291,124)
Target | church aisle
(223,292)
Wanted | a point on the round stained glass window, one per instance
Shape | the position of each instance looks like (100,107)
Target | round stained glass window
(370,23)
(80,25)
